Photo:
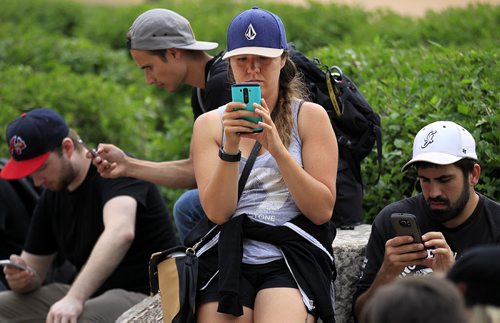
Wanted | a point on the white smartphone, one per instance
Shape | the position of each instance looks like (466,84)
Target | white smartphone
(7,262)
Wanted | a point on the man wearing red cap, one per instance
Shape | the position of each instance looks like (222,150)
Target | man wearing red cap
(107,228)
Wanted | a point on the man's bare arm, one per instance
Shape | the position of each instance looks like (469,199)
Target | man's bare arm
(173,174)
(119,220)
(112,162)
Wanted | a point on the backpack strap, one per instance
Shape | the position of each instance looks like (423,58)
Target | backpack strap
(198,90)
(378,136)
(336,80)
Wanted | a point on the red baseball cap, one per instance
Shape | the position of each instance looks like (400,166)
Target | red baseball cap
(31,137)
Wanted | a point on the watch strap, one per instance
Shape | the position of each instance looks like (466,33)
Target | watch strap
(229,157)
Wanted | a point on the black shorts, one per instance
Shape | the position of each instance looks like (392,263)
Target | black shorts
(253,279)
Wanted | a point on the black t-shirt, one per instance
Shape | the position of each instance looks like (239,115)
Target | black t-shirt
(217,90)
(481,228)
(71,223)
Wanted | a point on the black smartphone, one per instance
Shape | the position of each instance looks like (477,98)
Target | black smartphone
(405,224)
(92,151)
(248,93)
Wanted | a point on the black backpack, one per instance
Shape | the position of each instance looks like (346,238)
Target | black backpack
(357,127)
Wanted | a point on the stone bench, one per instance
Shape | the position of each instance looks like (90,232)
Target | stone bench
(348,248)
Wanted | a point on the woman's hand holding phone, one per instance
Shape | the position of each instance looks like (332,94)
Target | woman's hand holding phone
(248,93)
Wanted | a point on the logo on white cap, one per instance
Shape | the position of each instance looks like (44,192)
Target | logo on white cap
(250,33)
(429,139)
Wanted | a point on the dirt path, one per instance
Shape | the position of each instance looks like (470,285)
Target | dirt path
(414,8)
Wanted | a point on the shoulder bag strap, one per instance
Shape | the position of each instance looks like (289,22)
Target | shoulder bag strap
(252,157)
(248,168)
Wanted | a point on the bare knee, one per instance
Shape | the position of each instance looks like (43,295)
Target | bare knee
(207,313)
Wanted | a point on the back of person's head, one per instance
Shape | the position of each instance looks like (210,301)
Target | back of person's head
(442,143)
(158,29)
(31,138)
(416,299)
(477,274)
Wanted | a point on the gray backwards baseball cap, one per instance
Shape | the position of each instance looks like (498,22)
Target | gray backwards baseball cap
(163,29)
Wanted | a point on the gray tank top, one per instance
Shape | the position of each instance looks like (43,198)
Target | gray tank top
(266,197)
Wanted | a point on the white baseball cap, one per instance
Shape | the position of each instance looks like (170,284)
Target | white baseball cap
(442,143)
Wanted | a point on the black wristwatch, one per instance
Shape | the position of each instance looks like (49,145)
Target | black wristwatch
(229,157)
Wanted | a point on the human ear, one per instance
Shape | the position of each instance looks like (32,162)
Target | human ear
(474,175)
(174,52)
(67,146)
(283,60)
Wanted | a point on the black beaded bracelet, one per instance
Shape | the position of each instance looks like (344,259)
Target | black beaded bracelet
(229,157)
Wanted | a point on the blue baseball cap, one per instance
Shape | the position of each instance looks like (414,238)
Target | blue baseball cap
(31,137)
(256,32)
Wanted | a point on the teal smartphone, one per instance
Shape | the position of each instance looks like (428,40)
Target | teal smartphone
(248,93)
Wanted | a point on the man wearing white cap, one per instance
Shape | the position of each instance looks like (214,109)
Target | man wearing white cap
(451,215)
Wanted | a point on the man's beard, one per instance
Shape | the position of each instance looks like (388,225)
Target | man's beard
(68,174)
(453,210)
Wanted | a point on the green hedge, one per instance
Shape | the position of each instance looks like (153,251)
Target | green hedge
(72,57)
(413,87)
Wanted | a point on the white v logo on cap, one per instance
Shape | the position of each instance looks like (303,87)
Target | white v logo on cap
(250,33)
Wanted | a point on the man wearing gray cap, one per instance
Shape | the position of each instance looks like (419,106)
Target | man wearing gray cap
(451,215)
(163,45)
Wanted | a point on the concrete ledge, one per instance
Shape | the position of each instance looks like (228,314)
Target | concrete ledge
(349,250)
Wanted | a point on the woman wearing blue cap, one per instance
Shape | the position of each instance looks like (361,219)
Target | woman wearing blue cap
(273,259)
